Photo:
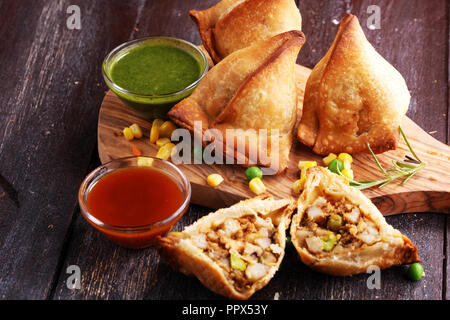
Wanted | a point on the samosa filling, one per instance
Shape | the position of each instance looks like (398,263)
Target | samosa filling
(245,248)
(335,225)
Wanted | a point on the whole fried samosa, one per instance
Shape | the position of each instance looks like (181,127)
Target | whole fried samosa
(337,230)
(353,97)
(231,25)
(252,90)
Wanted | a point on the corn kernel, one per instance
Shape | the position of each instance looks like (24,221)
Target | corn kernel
(214,179)
(329,158)
(166,129)
(136,130)
(154,131)
(165,152)
(306,164)
(348,173)
(128,134)
(346,160)
(144,162)
(257,186)
(162,141)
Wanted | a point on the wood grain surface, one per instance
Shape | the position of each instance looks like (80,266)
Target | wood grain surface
(51,93)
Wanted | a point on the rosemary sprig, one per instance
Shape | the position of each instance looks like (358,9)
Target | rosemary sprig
(400,169)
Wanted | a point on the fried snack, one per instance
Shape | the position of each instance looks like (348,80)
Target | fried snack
(231,25)
(252,89)
(339,231)
(234,251)
(353,97)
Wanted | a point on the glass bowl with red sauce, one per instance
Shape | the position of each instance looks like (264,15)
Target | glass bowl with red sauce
(131,203)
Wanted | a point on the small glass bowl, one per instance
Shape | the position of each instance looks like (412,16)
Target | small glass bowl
(153,106)
(139,236)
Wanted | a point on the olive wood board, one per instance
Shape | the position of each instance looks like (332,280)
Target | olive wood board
(427,191)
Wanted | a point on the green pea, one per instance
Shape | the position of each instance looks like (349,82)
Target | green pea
(335,164)
(253,172)
(415,271)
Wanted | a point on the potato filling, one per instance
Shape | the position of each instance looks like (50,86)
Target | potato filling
(245,248)
(335,225)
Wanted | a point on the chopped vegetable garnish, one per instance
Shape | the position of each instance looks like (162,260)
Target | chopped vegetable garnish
(328,159)
(144,162)
(306,164)
(253,172)
(165,152)
(348,173)
(336,166)
(154,131)
(137,132)
(166,129)
(415,271)
(128,134)
(136,151)
(257,186)
(237,263)
(401,169)
(162,141)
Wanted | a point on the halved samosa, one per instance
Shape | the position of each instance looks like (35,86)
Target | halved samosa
(339,231)
(231,25)
(234,251)
(353,97)
(252,93)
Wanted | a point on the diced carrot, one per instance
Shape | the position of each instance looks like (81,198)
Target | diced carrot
(136,152)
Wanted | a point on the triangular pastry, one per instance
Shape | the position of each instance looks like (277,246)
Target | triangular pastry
(353,97)
(231,25)
(234,251)
(339,231)
(252,90)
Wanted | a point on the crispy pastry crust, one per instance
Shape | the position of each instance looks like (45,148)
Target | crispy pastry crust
(179,250)
(391,248)
(231,25)
(251,89)
(353,97)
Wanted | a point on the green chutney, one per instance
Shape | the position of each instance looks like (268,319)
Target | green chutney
(155,70)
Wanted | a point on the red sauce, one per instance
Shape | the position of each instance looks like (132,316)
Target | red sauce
(131,197)
(135,196)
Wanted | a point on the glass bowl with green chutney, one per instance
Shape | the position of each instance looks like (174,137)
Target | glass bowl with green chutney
(151,75)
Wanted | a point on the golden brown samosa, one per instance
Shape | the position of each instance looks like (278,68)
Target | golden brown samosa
(234,251)
(231,25)
(337,230)
(353,97)
(251,90)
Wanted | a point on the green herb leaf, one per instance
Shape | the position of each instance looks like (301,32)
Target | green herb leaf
(400,169)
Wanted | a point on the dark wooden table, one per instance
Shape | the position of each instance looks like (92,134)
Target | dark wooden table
(51,91)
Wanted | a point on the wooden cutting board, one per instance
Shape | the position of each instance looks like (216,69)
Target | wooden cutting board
(427,191)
